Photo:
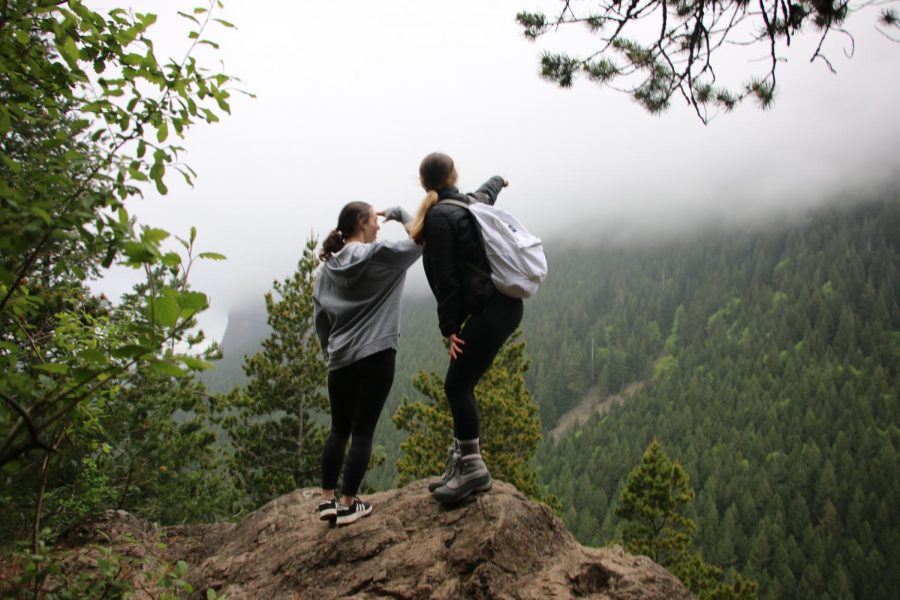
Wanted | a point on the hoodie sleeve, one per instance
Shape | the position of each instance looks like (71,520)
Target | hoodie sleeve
(399,255)
(489,190)
(323,325)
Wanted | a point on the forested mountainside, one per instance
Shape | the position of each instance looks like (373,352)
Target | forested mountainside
(773,368)
(771,362)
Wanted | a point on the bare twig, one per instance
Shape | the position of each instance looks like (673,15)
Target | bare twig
(770,32)
(818,52)
(42,486)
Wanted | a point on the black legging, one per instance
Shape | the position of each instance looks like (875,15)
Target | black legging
(357,393)
(484,334)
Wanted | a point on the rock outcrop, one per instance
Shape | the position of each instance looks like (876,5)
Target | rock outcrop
(495,545)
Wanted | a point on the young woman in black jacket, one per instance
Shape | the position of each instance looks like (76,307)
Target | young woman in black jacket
(473,315)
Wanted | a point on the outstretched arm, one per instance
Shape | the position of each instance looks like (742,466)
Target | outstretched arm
(490,189)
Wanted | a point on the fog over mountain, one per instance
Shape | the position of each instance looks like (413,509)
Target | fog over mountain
(351,96)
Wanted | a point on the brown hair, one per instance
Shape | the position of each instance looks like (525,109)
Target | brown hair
(350,218)
(436,172)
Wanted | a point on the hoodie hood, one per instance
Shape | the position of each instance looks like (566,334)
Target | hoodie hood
(346,266)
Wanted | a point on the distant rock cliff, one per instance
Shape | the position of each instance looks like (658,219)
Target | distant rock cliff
(496,545)
(244,333)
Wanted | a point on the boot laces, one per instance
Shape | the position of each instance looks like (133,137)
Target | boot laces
(452,463)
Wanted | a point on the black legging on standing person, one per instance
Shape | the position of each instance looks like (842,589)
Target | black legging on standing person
(357,393)
(484,334)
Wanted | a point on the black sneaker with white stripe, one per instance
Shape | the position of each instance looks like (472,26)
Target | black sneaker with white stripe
(349,514)
(328,510)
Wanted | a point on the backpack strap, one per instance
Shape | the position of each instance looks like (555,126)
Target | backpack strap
(459,203)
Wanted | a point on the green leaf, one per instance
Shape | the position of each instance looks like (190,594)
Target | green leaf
(154,236)
(213,256)
(171,259)
(220,100)
(138,253)
(193,301)
(165,368)
(93,356)
(69,51)
(13,165)
(162,132)
(189,17)
(79,125)
(130,351)
(166,310)
(5,124)
(43,214)
(196,364)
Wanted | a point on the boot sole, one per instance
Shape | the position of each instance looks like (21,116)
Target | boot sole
(455,496)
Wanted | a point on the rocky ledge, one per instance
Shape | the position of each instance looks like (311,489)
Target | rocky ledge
(495,545)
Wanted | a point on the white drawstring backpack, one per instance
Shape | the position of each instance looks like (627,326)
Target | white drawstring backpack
(518,264)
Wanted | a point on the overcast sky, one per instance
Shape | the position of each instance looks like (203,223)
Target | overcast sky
(351,96)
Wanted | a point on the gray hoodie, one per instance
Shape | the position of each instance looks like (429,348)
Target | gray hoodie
(357,297)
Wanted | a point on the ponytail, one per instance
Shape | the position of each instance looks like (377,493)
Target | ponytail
(333,243)
(436,172)
(417,229)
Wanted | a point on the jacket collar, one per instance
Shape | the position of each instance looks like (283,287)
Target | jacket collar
(449,193)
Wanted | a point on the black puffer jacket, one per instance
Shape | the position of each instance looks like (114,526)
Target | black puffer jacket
(453,250)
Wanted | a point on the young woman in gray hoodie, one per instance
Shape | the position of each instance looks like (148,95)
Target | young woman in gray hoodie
(357,314)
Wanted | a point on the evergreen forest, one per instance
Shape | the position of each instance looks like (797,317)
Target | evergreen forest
(772,369)
(767,363)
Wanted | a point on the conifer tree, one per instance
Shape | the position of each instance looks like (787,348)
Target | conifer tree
(274,428)
(651,504)
(510,426)
(656,490)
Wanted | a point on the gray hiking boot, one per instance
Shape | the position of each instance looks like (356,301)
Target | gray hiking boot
(452,465)
(471,476)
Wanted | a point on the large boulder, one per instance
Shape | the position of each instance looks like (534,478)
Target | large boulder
(495,545)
